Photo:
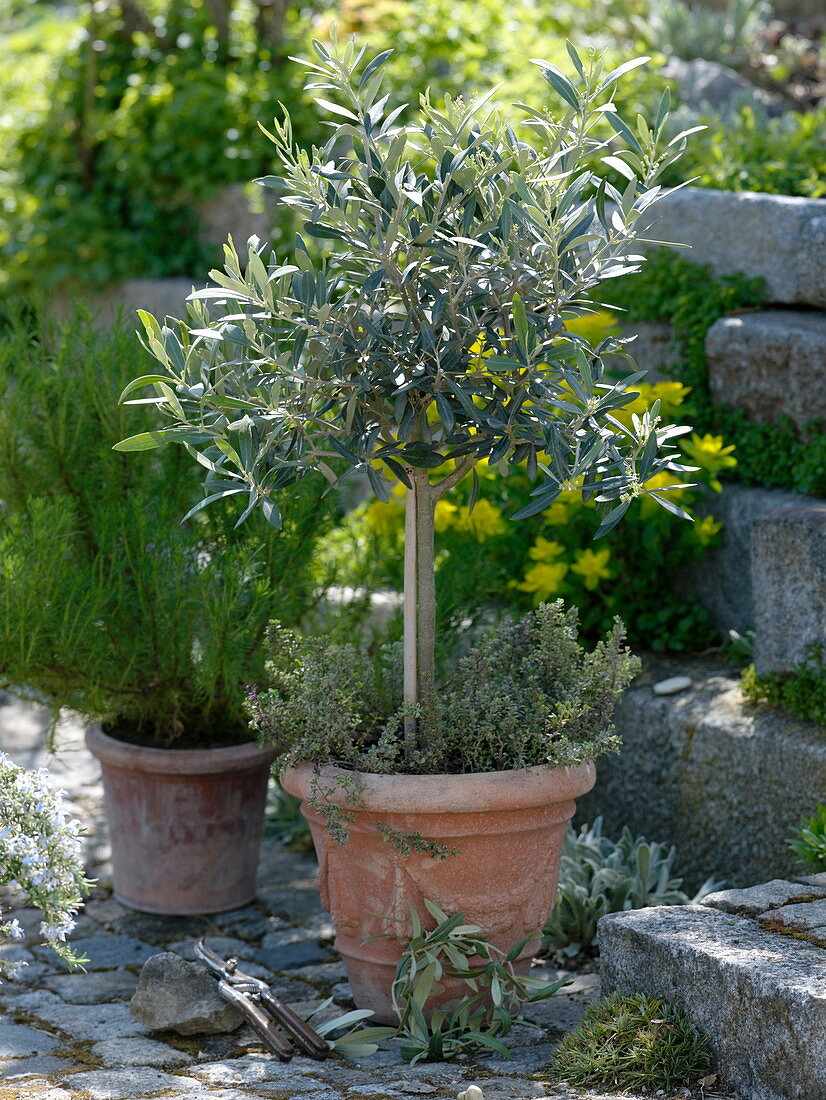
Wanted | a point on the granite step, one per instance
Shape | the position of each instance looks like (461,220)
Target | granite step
(726,784)
(780,238)
(759,994)
(769,363)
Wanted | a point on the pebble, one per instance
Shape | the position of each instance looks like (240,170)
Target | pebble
(673,685)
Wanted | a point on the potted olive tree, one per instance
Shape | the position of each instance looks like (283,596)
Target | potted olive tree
(148,627)
(432,338)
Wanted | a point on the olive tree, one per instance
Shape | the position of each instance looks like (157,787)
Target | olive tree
(432,334)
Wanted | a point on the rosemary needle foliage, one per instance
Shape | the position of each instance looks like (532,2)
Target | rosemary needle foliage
(495,992)
(630,1043)
(108,603)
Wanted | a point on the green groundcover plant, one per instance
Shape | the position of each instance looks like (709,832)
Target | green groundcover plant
(809,840)
(630,1043)
(802,691)
(449,234)
(686,295)
(748,152)
(40,860)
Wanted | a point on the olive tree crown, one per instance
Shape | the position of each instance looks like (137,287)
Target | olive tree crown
(433,335)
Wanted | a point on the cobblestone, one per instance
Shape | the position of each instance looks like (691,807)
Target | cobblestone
(99,1052)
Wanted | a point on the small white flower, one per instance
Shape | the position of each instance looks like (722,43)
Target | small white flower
(15,930)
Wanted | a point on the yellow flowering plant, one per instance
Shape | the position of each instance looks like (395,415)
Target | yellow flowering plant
(632,571)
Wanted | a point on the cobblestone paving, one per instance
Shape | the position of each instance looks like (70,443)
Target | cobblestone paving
(70,1036)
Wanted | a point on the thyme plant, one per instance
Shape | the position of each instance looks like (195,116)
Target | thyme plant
(434,335)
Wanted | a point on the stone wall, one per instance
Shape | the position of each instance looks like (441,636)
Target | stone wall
(723,783)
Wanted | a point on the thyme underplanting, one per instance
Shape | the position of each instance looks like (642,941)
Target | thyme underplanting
(529,693)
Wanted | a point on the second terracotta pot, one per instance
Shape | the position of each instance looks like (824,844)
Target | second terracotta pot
(507,826)
(184,824)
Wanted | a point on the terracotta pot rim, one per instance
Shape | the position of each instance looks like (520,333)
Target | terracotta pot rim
(472,791)
(207,761)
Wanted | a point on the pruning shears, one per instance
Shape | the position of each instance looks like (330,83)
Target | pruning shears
(261,1009)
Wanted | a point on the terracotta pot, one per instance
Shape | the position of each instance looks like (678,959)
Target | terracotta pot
(508,827)
(184,824)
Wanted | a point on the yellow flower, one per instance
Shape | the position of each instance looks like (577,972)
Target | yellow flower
(479,353)
(383,518)
(706,528)
(483,522)
(543,550)
(670,394)
(593,326)
(662,480)
(557,514)
(709,454)
(544,580)
(445,515)
(592,567)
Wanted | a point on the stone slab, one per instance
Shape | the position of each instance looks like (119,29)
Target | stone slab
(92,1022)
(40,1065)
(19,1041)
(813,880)
(294,956)
(240,210)
(770,363)
(755,900)
(789,585)
(654,349)
(760,996)
(118,304)
(93,988)
(780,238)
(805,916)
(123,1084)
(107,952)
(138,1051)
(722,579)
(698,770)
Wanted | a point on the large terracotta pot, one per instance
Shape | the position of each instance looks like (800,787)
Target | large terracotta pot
(508,827)
(184,824)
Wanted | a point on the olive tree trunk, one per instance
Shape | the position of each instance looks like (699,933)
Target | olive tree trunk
(419,601)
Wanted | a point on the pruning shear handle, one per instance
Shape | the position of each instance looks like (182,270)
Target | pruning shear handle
(261,1008)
